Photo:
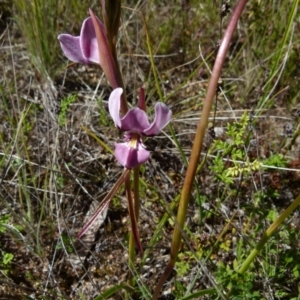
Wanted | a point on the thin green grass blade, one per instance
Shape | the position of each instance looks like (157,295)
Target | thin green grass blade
(154,71)
(268,234)
(104,145)
(113,290)
(264,101)
(196,295)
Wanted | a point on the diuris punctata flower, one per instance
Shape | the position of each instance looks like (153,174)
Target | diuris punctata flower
(91,46)
(135,123)
(82,48)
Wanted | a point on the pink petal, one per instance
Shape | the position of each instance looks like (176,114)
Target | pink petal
(114,104)
(135,120)
(70,45)
(88,40)
(130,157)
(163,116)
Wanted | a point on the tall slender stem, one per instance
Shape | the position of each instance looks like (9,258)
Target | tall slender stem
(197,145)
(131,247)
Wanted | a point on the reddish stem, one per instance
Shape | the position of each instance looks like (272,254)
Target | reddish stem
(197,145)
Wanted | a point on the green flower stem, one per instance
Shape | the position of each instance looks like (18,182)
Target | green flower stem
(197,146)
(131,246)
(268,234)
(131,257)
(131,210)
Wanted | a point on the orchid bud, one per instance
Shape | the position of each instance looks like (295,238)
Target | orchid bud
(142,101)
(107,62)
(111,12)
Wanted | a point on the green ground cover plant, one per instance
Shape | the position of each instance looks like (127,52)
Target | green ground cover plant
(206,203)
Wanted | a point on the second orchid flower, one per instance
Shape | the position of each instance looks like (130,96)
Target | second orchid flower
(135,123)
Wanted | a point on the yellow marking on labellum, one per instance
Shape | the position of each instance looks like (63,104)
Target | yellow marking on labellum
(134,140)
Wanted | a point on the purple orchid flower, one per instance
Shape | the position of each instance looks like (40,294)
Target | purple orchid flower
(83,48)
(92,47)
(135,123)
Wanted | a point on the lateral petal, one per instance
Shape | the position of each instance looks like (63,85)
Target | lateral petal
(114,104)
(88,41)
(162,117)
(70,45)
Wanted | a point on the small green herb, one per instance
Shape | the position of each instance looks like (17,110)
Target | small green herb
(64,105)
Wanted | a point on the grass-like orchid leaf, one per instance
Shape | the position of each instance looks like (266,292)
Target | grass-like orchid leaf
(103,205)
